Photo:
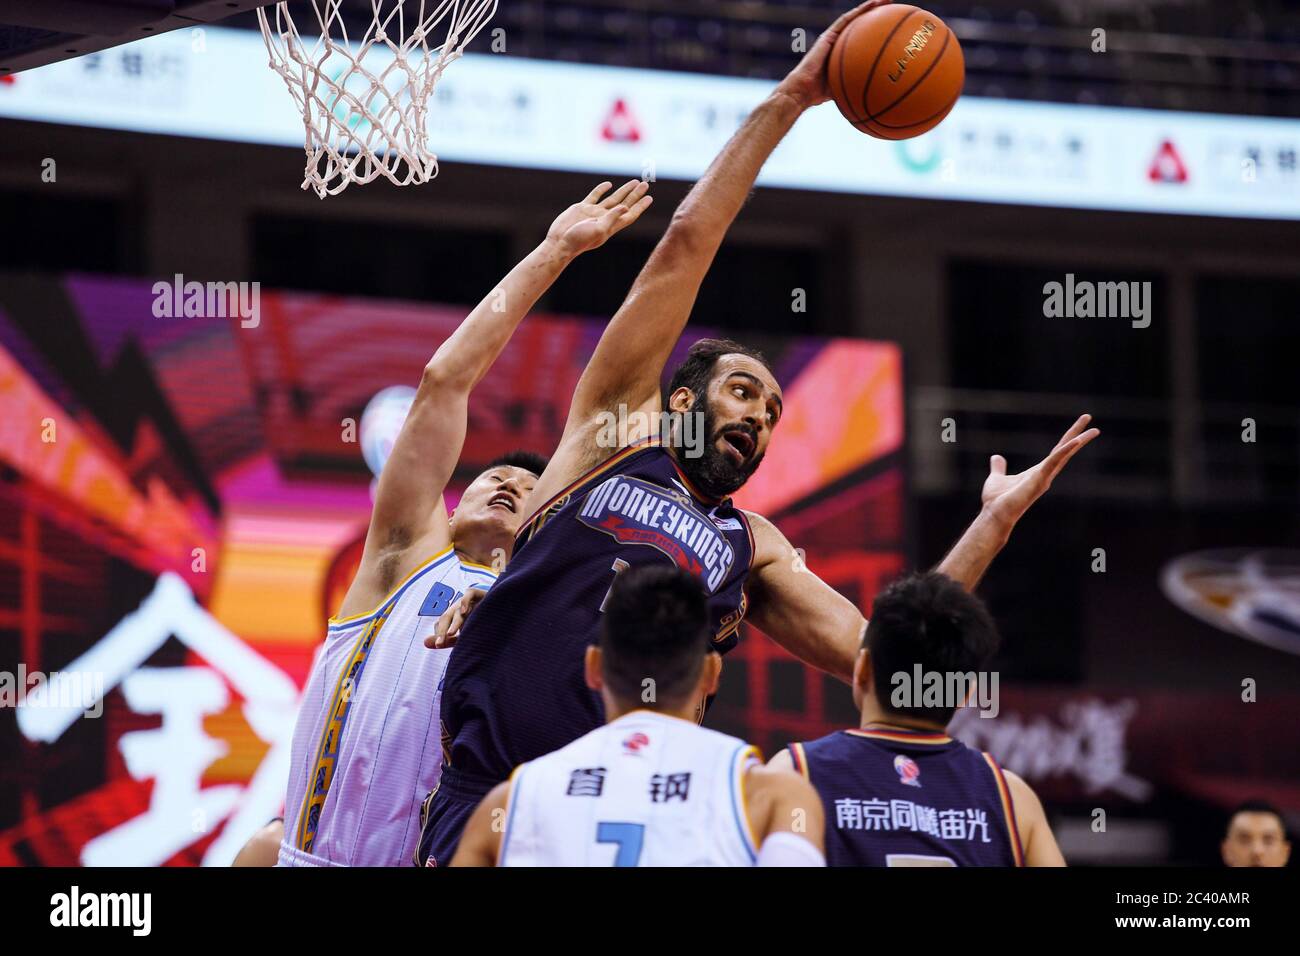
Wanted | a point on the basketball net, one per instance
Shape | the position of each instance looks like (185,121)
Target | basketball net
(365,103)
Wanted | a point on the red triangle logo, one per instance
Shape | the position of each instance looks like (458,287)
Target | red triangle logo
(620,126)
(1168,166)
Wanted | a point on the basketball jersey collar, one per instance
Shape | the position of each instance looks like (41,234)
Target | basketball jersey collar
(700,496)
(623,453)
(647,712)
(901,735)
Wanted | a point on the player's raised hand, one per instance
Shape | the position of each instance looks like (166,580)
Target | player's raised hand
(447,628)
(586,225)
(1008,497)
(806,83)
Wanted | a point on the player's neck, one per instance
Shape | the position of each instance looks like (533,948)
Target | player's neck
(491,551)
(686,713)
(874,718)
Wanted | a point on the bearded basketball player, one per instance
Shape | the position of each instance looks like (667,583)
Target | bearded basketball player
(515,687)
(365,747)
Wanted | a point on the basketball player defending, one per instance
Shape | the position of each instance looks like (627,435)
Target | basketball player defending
(650,788)
(898,791)
(365,747)
(514,690)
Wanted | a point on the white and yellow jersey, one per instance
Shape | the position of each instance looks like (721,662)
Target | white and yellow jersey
(644,790)
(367,747)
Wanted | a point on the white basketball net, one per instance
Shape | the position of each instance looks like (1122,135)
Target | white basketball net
(364,102)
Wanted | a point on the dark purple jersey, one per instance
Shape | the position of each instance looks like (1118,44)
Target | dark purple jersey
(896,797)
(514,688)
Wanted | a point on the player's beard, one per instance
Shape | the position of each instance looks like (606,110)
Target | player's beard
(713,472)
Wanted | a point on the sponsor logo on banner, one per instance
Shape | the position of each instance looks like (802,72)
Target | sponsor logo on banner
(1168,165)
(620,125)
(150,76)
(512,111)
(1270,166)
(973,154)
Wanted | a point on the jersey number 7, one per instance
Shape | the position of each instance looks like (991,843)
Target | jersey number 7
(627,836)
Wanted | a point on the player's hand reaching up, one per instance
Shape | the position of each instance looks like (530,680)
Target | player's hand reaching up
(1008,497)
(447,628)
(586,225)
(806,83)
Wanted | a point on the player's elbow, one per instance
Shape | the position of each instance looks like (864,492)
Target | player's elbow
(686,236)
(441,375)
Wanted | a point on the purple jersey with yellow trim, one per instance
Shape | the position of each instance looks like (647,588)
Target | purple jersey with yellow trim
(515,688)
(897,797)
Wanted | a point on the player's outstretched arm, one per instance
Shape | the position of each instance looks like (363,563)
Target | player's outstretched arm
(1005,499)
(480,844)
(408,502)
(797,609)
(787,816)
(811,620)
(821,627)
(626,368)
(1035,832)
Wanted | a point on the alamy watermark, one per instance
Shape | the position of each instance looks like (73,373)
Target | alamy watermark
(945,690)
(1083,299)
(684,430)
(208,300)
(82,690)
(133,911)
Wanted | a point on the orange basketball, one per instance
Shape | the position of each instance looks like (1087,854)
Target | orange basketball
(896,71)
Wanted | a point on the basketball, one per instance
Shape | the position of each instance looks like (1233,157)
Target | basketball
(896,71)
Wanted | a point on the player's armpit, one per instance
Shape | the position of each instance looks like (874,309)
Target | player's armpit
(480,844)
(1036,835)
(799,610)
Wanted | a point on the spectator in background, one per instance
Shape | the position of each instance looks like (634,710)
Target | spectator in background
(1256,836)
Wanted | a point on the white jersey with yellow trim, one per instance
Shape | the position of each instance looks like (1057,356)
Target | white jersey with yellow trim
(646,789)
(366,747)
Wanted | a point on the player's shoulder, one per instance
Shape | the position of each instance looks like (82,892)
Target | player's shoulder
(828,745)
(773,789)
(757,523)
(1023,797)
(769,543)
(736,744)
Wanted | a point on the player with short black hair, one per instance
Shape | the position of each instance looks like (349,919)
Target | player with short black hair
(898,791)
(931,621)
(655,630)
(650,788)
